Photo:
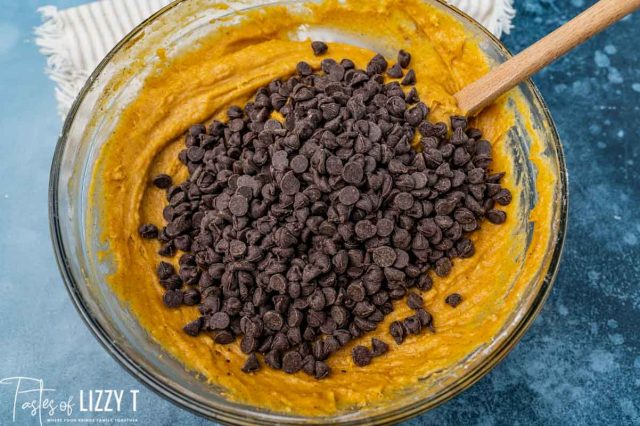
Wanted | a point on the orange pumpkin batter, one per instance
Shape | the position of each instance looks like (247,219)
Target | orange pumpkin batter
(226,69)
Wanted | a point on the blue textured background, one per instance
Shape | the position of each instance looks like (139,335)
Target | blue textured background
(579,363)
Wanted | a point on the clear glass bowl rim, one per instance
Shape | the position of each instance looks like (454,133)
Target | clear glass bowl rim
(234,416)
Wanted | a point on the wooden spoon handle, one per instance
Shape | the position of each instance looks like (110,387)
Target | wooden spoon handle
(488,88)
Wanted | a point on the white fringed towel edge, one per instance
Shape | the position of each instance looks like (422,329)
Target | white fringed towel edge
(75,40)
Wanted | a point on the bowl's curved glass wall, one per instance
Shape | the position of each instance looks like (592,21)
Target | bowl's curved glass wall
(88,126)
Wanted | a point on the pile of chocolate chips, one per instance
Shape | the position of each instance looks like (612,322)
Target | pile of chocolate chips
(298,234)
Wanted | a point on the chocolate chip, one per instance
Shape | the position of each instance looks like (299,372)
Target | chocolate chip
(465,248)
(395,71)
(339,315)
(289,184)
(342,336)
(356,107)
(251,364)
(365,229)
(414,301)
(377,65)
(424,317)
(299,164)
(273,320)
(356,292)
(424,282)
(195,153)
(309,365)
(334,165)
(165,270)
(412,324)
(364,309)
(319,48)
(162,181)
(193,328)
(378,347)
(403,201)
(191,297)
(224,338)
(445,206)
(172,282)
(458,122)
(361,356)
(495,177)
(280,342)
(219,321)
(349,195)
(238,205)
(182,242)
(291,362)
(347,64)
(396,106)
(148,231)
(237,248)
(273,359)
(503,197)
(352,173)
(317,300)
(172,298)
(496,216)
(397,332)
(384,256)
(321,370)
(404,58)
(443,266)
(248,344)
(280,160)
(409,79)
(453,300)
(304,69)
(317,350)
(385,227)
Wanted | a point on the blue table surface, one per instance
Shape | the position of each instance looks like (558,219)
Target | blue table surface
(578,364)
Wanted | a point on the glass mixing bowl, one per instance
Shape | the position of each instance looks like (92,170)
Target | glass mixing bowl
(112,85)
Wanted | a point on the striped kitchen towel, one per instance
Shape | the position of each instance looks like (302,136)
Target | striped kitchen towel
(75,40)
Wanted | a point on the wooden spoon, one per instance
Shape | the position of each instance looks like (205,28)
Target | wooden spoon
(488,88)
